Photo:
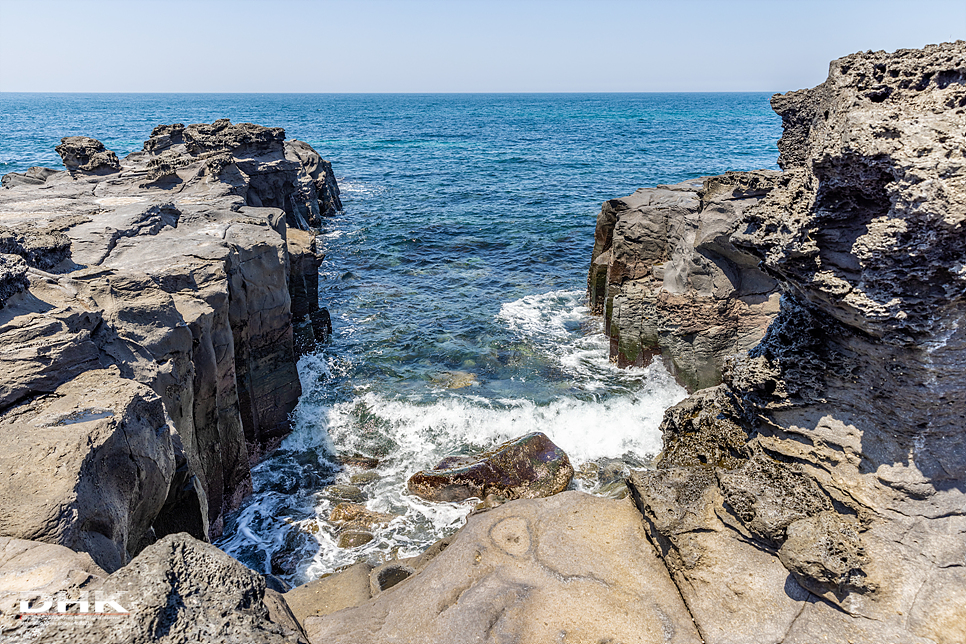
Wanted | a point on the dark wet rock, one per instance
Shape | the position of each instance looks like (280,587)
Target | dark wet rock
(181,590)
(668,280)
(388,575)
(527,467)
(82,153)
(344,493)
(356,514)
(354,538)
(364,478)
(358,460)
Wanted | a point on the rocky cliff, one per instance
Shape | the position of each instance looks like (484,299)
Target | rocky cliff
(820,492)
(152,310)
(669,282)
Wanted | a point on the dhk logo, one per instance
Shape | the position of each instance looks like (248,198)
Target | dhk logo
(40,604)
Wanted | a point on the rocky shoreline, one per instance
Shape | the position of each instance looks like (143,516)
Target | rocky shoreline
(153,311)
(811,489)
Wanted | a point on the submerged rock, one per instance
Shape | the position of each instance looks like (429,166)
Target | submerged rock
(358,515)
(527,467)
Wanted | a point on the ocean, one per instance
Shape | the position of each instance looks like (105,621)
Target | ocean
(456,280)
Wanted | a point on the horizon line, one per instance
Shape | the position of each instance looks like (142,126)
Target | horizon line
(414,93)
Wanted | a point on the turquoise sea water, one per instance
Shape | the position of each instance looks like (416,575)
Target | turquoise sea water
(455,277)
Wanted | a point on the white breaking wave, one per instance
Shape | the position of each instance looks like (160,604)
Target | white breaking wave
(606,413)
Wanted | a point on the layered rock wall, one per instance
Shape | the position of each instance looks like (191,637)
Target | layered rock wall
(148,319)
(668,280)
(820,492)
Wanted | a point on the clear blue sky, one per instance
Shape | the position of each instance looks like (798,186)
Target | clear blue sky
(450,46)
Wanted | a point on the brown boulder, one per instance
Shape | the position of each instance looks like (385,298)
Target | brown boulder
(524,468)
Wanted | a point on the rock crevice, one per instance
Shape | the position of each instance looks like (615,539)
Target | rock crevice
(157,271)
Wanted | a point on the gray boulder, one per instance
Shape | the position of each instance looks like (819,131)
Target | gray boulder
(87,467)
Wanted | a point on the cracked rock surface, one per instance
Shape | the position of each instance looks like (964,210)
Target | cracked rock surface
(166,278)
(668,280)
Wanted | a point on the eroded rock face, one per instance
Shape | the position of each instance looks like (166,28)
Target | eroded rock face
(525,468)
(82,153)
(849,487)
(669,281)
(87,467)
(163,270)
(179,590)
(569,568)
(256,161)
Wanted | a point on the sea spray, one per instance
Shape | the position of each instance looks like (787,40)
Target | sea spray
(606,413)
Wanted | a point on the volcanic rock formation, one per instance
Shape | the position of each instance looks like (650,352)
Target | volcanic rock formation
(820,492)
(669,281)
(152,310)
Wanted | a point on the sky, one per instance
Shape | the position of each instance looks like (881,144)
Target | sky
(265,46)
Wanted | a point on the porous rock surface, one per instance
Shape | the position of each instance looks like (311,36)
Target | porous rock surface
(152,314)
(669,281)
(819,493)
(177,591)
(568,568)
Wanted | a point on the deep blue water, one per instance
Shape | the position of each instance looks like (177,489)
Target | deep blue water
(455,277)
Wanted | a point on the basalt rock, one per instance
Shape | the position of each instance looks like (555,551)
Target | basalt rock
(87,467)
(163,270)
(13,276)
(179,590)
(524,468)
(841,512)
(254,162)
(82,153)
(34,176)
(669,281)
